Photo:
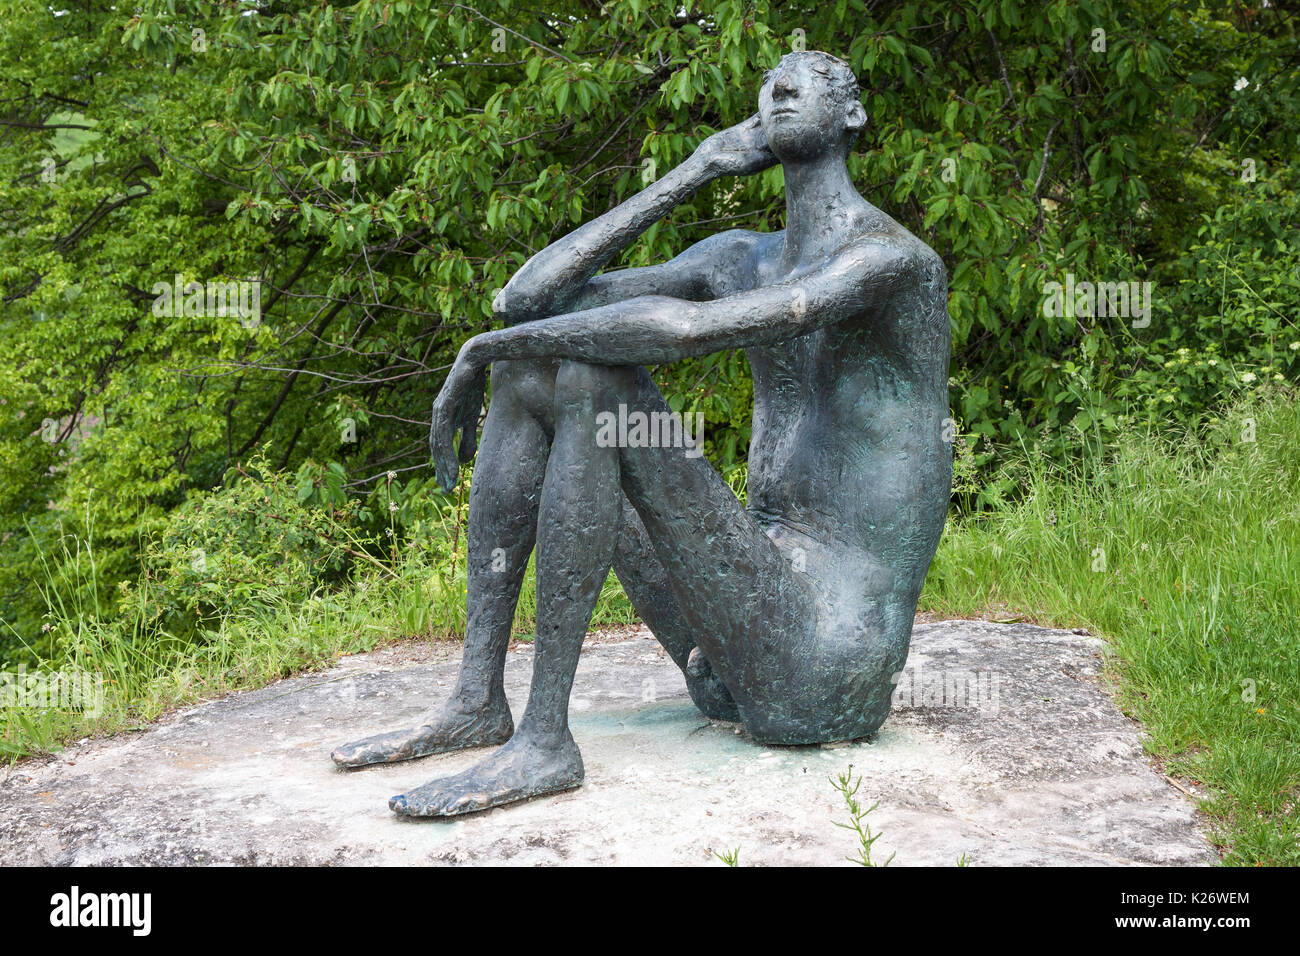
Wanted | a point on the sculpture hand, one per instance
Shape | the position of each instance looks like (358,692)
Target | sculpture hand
(738,151)
(455,410)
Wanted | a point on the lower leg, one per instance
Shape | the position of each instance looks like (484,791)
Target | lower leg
(581,506)
(502,526)
(645,581)
(577,530)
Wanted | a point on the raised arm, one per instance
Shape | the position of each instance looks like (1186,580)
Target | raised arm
(559,278)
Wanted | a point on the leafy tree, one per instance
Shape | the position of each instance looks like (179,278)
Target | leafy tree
(380,168)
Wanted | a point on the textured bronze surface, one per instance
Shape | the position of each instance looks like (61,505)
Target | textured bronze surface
(792,614)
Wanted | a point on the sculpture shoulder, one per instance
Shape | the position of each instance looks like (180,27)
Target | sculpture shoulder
(729,260)
(890,239)
(894,250)
(732,244)
(929,262)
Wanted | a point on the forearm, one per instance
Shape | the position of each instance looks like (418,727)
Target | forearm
(649,330)
(550,282)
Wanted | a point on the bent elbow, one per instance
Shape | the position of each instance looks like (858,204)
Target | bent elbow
(511,306)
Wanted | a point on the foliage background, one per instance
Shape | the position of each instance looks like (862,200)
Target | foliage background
(382,167)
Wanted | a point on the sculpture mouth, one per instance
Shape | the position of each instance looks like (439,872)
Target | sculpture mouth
(784,111)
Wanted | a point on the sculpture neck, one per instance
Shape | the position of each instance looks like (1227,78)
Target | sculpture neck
(815,190)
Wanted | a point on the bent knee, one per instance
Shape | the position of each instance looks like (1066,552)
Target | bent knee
(585,377)
(523,379)
(583,384)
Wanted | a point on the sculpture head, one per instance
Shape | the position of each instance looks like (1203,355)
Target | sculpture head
(809,106)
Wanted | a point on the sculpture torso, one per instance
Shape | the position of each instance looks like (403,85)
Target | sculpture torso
(847,460)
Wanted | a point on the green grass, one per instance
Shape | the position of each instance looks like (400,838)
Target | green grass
(147,671)
(1184,556)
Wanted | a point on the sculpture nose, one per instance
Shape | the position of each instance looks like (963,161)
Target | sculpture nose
(783,87)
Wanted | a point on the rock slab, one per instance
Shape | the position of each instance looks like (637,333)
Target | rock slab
(1004,748)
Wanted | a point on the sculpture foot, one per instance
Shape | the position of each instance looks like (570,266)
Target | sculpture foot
(517,771)
(447,730)
(707,691)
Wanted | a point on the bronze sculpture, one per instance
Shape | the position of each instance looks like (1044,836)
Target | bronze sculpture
(792,614)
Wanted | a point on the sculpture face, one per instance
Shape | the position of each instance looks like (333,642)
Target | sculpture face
(803,112)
